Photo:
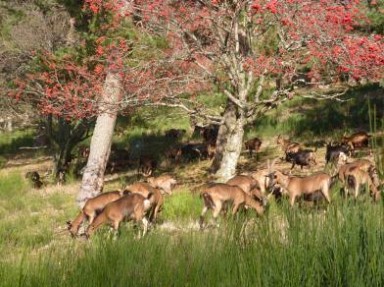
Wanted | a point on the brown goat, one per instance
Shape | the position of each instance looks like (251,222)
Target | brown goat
(131,206)
(363,164)
(218,194)
(297,186)
(261,176)
(248,184)
(164,182)
(357,177)
(287,146)
(91,208)
(147,164)
(359,139)
(145,189)
(253,145)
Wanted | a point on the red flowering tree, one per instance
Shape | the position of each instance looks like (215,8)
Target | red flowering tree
(243,48)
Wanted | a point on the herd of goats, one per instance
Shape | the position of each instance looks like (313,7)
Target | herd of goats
(141,201)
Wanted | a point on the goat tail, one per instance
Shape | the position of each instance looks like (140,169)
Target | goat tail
(208,201)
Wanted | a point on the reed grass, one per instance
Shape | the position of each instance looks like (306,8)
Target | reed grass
(335,245)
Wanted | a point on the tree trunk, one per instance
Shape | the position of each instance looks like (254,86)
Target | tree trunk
(93,176)
(229,143)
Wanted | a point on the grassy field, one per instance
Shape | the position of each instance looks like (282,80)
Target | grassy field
(335,245)
(339,244)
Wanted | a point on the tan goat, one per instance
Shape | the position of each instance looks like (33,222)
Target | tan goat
(248,184)
(164,182)
(261,176)
(357,177)
(145,189)
(91,208)
(363,164)
(128,207)
(297,186)
(218,194)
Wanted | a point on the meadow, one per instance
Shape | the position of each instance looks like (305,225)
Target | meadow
(339,244)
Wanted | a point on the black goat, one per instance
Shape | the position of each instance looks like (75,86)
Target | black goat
(333,152)
(302,158)
(193,151)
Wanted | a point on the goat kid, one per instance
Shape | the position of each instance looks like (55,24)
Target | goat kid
(128,207)
(219,194)
(91,208)
(298,186)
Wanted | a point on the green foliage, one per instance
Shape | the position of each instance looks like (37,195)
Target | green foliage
(309,118)
(376,15)
(10,142)
(182,206)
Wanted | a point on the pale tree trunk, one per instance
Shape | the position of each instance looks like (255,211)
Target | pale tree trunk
(229,144)
(93,176)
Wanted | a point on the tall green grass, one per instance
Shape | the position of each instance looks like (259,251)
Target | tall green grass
(337,246)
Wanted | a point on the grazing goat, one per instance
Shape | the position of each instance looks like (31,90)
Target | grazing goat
(359,139)
(91,208)
(333,151)
(287,146)
(249,185)
(218,194)
(164,182)
(357,177)
(145,189)
(253,145)
(297,186)
(131,206)
(363,164)
(301,158)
